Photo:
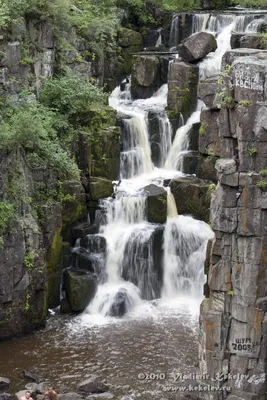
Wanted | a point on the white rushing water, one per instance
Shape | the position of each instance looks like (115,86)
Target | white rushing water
(133,269)
(145,261)
(181,141)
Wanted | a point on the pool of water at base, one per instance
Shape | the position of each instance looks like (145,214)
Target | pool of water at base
(159,339)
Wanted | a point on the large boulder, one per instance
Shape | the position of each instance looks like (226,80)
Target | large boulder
(156,204)
(197,46)
(145,76)
(192,196)
(93,384)
(80,288)
(100,188)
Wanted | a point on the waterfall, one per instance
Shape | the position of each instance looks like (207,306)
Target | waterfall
(181,141)
(199,22)
(165,137)
(174,33)
(159,41)
(185,241)
(137,158)
(255,25)
(171,206)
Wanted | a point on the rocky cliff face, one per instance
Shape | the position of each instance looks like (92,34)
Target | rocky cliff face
(33,249)
(233,323)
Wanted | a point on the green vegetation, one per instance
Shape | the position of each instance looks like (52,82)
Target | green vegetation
(211,154)
(260,4)
(29,260)
(245,103)
(202,129)
(7,217)
(252,151)
(262,184)
(263,172)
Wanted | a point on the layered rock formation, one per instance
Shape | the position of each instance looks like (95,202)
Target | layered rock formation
(233,324)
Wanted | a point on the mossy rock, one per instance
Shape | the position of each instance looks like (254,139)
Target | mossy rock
(192,196)
(100,188)
(105,150)
(54,270)
(80,287)
(65,307)
(128,38)
(156,204)
(74,207)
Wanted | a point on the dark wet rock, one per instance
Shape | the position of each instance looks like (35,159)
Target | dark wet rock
(119,306)
(80,259)
(100,188)
(70,396)
(191,163)
(182,89)
(197,46)
(248,41)
(94,243)
(4,383)
(191,196)
(65,307)
(158,238)
(154,136)
(83,229)
(80,288)
(32,375)
(193,137)
(151,37)
(156,204)
(93,384)
(145,76)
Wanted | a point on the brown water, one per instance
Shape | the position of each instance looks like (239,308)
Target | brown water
(152,341)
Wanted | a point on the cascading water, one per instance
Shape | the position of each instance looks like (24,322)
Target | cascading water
(184,256)
(181,141)
(135,265)
(222,26)
(174,33)
(133,271)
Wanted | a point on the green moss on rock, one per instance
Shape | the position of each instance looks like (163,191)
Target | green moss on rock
(80,289)
(100,188)
(192,197)
(54,269)
(156,204)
